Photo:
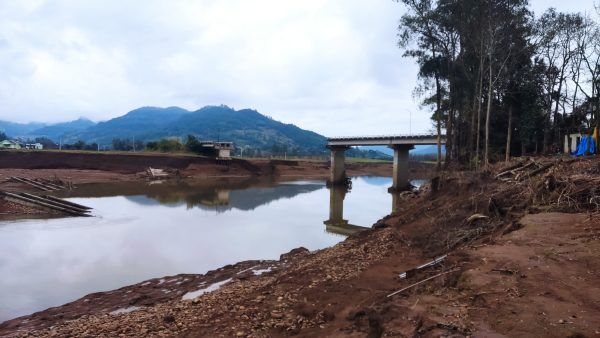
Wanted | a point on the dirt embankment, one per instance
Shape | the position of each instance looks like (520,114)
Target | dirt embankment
(510,271)
(95,167)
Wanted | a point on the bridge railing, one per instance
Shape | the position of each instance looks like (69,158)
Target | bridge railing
(370,137)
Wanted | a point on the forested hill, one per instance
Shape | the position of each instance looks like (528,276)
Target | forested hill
(246,127)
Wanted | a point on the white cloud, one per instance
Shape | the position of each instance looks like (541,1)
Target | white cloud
(326,65)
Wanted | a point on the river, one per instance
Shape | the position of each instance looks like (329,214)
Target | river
(142,231)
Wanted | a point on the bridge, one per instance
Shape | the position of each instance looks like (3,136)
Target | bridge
(401,144)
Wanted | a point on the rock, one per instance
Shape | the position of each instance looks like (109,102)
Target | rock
(301,251)
(169,319)
(276,314)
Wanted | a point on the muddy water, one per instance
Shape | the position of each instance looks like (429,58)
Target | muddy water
(144,231)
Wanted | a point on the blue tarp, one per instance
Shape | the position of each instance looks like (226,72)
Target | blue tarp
(587,145)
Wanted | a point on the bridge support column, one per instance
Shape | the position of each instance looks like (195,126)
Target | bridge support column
(400,175)
(338,167)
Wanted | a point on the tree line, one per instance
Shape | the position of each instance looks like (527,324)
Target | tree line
(500,81)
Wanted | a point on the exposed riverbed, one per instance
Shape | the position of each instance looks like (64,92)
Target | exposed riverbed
(144,231)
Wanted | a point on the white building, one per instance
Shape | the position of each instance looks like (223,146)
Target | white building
(36,146)
(10,144)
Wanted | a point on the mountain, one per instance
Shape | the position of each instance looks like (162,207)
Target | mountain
(142,123)
(14,130)
(419,150)
(427,150)
(247,128)
(61,130)
(244,127)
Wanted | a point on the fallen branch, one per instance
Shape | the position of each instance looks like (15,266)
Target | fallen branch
(411,272)
(421,282)
(538,170)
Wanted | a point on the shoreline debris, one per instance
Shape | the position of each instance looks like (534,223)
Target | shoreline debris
(47,202)
(434,262)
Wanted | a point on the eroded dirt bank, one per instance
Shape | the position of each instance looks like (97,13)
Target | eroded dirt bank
(523,245)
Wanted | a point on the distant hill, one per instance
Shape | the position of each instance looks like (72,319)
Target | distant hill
(247,128)
(19,129)
(61,130)
(427,150)
(420,150)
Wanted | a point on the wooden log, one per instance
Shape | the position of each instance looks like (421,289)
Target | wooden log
(39,183)
(538,170)
(51,185)
(34,203)
(58,203)
(33,184)
(81,206)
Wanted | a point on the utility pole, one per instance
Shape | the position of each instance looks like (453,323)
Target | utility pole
(60,143)
(133,143)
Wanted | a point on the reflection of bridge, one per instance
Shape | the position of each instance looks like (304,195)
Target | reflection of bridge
(336,223)
(401,144)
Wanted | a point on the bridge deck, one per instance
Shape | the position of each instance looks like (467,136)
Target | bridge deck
(426,139)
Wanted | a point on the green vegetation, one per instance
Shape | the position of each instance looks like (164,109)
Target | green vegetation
(165,145)
(500,81)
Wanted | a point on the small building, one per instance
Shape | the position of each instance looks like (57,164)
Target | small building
(10,144)
(222,150)
(35,146)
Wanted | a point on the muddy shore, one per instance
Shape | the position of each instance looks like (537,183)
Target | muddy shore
(523,250)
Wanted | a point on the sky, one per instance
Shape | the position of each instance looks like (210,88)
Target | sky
(331,66)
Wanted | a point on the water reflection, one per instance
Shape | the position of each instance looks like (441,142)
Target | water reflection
(336,223)
(145,231)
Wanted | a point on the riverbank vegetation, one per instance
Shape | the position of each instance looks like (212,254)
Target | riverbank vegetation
(500,80)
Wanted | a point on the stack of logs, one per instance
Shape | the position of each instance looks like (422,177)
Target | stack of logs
(46,202)
(39,184)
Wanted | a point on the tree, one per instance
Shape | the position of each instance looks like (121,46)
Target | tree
(418,26)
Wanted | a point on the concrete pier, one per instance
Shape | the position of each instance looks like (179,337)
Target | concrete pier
(400,171)
(338,166)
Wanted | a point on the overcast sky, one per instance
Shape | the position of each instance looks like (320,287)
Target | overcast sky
(331,66)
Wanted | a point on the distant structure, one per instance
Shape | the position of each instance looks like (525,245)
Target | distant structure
(10,144)
(35,146)
(221,150)
(571,143)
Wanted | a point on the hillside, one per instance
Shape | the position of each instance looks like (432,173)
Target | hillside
(19,129)
(247,128)
(61,130)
